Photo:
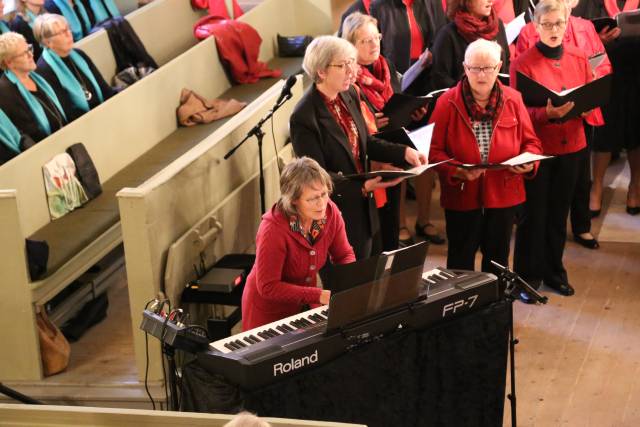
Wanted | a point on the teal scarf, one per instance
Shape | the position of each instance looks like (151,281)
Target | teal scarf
(9,134)
(72,17)
(103,10)
(4,28)
(33,103)
(69,81)
(31,17)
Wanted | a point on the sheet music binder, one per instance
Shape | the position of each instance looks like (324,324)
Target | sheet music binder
(394,283)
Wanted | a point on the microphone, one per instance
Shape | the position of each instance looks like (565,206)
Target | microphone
(286,89)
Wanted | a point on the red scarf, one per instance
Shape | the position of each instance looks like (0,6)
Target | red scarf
(476,112)
(367,6)
(376,85)
(613,9)
(472,28)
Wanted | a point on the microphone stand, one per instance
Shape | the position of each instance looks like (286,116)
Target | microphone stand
(259,134)
(514,284)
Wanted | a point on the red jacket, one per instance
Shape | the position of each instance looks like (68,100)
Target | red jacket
(283,277)
(453,137)
(572,70)
(581,34)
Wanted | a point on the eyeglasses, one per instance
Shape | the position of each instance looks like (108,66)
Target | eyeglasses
(66,29)
(478,70)
(372,40)
(316,200)
(29,51)
(350,64)
(549,26)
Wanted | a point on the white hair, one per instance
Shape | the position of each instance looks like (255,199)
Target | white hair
(45,25)
(548,6)
(483,48)
(8,44)
(321,51)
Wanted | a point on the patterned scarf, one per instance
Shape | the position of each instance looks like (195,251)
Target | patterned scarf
(376,84)
(314,232)
(476,112)
(471,28)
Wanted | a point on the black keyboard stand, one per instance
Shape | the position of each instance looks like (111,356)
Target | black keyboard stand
(513,286)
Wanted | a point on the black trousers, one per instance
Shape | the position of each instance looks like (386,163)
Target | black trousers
(486,229)
(580,215)
(542,233)
(389,216)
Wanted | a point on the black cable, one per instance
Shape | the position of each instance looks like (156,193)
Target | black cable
(166,391)
(146,368)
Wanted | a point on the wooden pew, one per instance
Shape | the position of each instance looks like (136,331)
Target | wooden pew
(50,416)
(130,137)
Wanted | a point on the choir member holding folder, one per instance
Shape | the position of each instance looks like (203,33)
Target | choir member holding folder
(581,34)
(481,121)
(541,236)
(327,125)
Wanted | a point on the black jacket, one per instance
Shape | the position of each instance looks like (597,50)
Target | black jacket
(127,47)
(448,55)
(316,134)
(19,25)
(45,70)
(18,111)
(356,6)
(394,26)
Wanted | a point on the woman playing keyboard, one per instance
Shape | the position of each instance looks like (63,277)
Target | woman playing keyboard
(293,242)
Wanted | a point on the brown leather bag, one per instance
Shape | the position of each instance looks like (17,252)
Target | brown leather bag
(54,347)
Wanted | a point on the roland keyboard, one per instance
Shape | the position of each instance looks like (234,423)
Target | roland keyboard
(270,352)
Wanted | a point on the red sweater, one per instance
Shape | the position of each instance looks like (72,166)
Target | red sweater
(581,34)
(570,71)
(453,137)
(283,278)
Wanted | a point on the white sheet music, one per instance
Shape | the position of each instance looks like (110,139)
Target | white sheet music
(523,158)
(514,27)
(421,138)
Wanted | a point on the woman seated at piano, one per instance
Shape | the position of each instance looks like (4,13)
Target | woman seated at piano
(481,121)
(68,70)
(295,239)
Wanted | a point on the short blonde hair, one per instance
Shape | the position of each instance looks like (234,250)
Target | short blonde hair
(245,419)
(548,6)
(296,175)
(484,48)
(44,25)
(321,51)
(8,44)
(353,23)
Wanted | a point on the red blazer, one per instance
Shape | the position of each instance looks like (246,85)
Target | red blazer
(283,277)
(570,71)
(453,137)
(581,34)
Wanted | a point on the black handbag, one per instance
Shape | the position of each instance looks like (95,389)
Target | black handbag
(85,170)
(292,46)
(37,258)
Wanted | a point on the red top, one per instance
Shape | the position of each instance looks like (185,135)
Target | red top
(453,137)
(570,71)
(283,278)
(581,34)
(417,44)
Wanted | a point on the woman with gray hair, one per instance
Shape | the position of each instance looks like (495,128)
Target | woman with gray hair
(541,236)
(27,99)
(481,121)
(295,239)
(327,125)
(69,71)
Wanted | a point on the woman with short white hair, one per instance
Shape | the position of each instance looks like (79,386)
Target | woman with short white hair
(70,72)
(27,99)
(542,234)
(327,125)
(481,121)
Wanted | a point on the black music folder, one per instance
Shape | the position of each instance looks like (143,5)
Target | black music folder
(387,175)
(586,97)
(628,22)
(400,107)
(520,159)
(374,286)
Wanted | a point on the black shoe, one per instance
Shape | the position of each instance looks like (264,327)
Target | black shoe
(436,239)
(633,210)
(587,243)
(562,288)
(594,214)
